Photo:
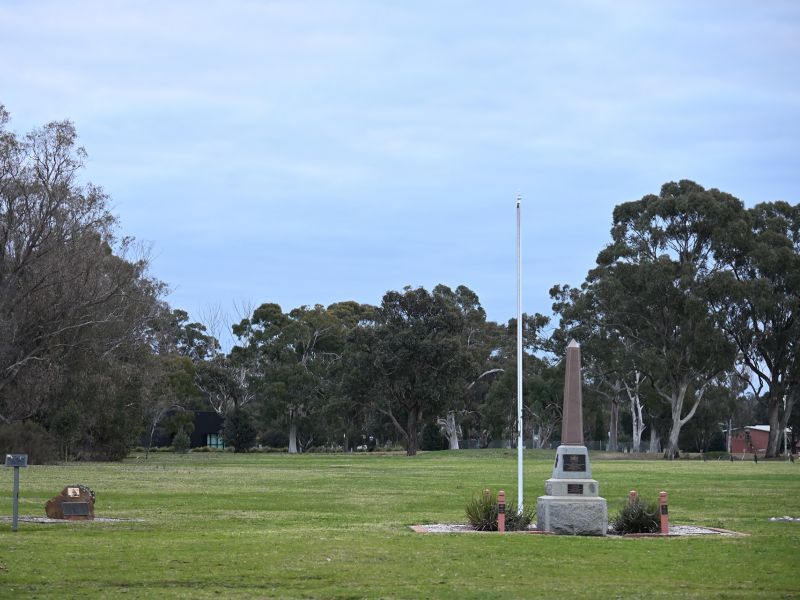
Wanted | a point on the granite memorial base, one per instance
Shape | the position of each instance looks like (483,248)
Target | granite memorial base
(568,515)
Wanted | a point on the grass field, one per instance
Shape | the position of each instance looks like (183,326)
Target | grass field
(336,526)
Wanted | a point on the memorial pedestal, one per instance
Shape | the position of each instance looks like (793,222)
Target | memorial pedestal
(572,515)
(572,504)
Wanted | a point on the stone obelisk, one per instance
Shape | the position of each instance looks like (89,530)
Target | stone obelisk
(572,504)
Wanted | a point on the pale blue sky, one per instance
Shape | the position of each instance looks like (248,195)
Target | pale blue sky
(310,152)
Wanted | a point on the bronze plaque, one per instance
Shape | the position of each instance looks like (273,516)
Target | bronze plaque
(575,462)
(76,509)
(664,509)
(575,488)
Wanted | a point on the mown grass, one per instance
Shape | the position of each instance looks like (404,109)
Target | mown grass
(336,526)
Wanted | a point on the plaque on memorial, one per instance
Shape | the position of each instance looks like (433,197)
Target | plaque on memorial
(75,509)
(575,488)
(664,509)
(574,462)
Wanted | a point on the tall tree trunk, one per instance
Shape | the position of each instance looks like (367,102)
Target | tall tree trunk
(411,432)
(676,400)
(773,416)
(613,425)
(729,436)
(450,429)
(637,413)
(655,440)
(787,413)
(292,433)
(672,439)
(638,425)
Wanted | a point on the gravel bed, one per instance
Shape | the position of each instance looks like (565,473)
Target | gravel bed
(48,520)
(674,530)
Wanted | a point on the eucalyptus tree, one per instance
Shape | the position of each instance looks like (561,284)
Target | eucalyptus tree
(541,408)
(77,306)
(291,356)
(480,341)
(410,360)
(652,286)
(758,301)
(609,362)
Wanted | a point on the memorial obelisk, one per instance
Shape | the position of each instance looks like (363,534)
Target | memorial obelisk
(572,504)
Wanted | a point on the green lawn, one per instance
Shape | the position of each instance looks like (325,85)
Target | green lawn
(336,526)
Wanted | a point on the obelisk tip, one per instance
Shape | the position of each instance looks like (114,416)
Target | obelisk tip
(573,344)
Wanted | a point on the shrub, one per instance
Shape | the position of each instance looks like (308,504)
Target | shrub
(518,521)
(181,442)
(432,438)
(238,431)
(482,513)
(637,517)
(28,438)
(274,438)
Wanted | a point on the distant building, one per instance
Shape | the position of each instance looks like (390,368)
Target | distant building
(207,430)
(752,439)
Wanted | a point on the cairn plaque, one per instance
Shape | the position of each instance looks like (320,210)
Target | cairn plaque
(572,504)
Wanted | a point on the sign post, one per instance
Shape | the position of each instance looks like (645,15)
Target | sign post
(16,461)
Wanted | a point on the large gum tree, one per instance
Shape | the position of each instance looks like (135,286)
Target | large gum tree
(651,285)
(758,301)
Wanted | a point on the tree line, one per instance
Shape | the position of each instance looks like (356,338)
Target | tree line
(688,325)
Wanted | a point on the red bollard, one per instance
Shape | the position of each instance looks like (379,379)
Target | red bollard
(501,511)
(662,502)
(632,497)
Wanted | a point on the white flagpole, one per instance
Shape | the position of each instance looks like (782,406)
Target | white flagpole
(519,362)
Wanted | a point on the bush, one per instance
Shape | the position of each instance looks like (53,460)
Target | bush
(28,438)
(181,442)
(432,438)
(518,521)
(637,517)
(482,513)
(274,438)
(238,431)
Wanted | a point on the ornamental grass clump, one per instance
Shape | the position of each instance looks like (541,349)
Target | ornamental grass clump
(482,512)
(637,517)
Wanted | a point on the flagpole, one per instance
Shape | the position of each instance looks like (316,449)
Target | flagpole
(519,361)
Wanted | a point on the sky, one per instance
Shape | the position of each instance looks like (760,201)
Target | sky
(310,152)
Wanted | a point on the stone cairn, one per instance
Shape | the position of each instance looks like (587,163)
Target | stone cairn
(572,504)
(75,502)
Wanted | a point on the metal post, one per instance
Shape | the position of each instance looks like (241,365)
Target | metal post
(16,461)
(15,501)
(519,360)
